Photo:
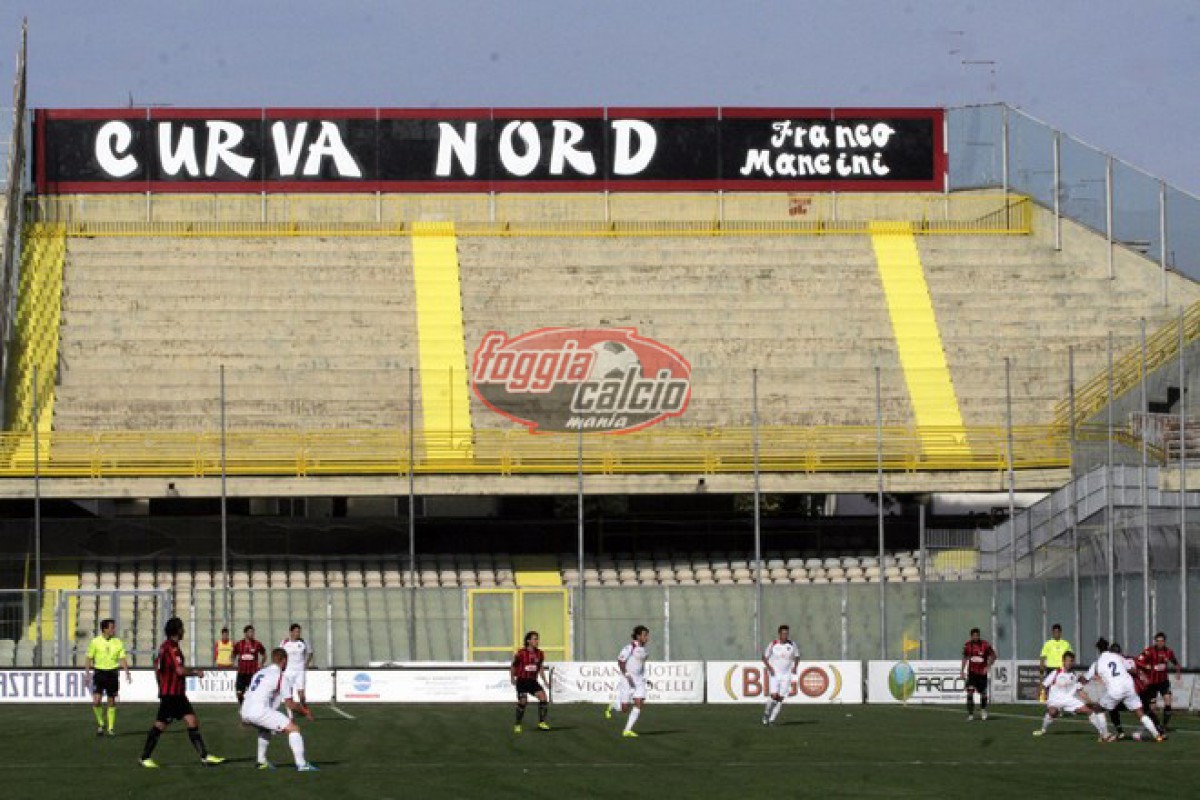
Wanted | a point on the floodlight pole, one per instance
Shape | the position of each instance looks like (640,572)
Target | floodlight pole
(412,523)
(224,512)
(1147,622)
(37,524)
(879,510)
(758,565)
(1012,510)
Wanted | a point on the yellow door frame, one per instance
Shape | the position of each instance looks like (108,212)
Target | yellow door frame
(518,619)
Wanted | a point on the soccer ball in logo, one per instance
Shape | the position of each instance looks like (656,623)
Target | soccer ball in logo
(613,360)
(902,681)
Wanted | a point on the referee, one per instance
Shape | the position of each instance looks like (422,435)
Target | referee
(104,655)
(1052,651)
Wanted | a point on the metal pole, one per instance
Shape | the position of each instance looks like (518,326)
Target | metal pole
(1183,558)
(667,623)
(757,509)
(924,586)
(1073,509)
(1145,492)
(412,513)
(1162,241)
(329,628)
(224,513)
(1012,509)
(1108,212)
(581,612)
(879,510)
(1057,190)
(1109,522)
(1004,150)
(37,523)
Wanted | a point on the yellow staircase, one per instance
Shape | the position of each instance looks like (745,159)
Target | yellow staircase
(47,616)
(445,400)
(35,342)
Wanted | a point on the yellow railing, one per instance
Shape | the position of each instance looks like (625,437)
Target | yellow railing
(1161,347)
(39,312)
(1006,215)
(515,452)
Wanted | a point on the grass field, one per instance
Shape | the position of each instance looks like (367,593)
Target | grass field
(683,751)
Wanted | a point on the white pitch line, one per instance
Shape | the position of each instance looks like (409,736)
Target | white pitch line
(1032,718)
(343,713)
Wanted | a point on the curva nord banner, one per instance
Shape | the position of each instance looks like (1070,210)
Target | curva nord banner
(608,380)
(505,150)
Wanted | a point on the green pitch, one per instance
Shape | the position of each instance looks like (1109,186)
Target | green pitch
(683,751)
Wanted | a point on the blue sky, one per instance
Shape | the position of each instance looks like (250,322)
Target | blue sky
(1118,75)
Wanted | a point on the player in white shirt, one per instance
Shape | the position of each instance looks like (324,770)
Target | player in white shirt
(1064,695)
(260,708)
(299,659)
(781,658)
(631,686)
(1112,669)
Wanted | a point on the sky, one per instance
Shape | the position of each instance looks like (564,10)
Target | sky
(1119,75)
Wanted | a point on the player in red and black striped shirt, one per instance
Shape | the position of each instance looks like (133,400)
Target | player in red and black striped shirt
(249,656)
(1159,658)
(527,671)
(977,659)
(173,703)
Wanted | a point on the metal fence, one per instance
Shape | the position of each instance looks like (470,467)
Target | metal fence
(838,621)
(998,145)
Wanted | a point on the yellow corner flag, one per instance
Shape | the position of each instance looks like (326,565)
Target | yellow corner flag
(908,645)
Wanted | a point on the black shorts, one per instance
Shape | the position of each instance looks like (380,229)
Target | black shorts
(977,682)
(528,686)
(242,682)
(106,681)
(1157,689)
(173,706)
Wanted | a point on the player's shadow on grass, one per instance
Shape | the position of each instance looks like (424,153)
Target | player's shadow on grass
(792,722)
(659,733)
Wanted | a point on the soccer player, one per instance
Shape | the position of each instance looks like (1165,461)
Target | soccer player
(268,688)
(1065,696)
(977,659)
(223,651)
(1052,651)
(173,703)
(1113,671)
(527,673)
(1159,658)
(781,658)
(104,655)
(249,655)
(631,686)
(300,658)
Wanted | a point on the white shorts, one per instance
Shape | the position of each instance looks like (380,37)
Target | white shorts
(626,694)
(297,677)
(1115,695)
(1069,706)
(780,683)
(272,721)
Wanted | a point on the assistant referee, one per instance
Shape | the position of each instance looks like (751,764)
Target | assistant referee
(104,655)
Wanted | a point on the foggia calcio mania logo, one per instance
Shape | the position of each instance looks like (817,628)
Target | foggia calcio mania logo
(608,380)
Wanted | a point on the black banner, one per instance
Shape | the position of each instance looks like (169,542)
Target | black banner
(570,149)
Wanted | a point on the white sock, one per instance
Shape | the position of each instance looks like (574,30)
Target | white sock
(1148,724)
(297,743)
(1046,720)
(769,708)
(264,739)
(1100,723)
(775,711)
(633,715)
